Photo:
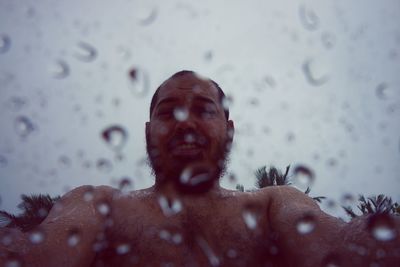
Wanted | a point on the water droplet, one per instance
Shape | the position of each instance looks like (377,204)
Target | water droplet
(125,184)
(104,165)
(308,18)
(382,227)
(208,55)
(103,208)
(382,91)
(36,237)
(232,253)
(60,69)
(123,249)
(87,52)
(64,161)
(16,103)
(3,161)
(169,207)
(250,219)
(5,43)
(88,195)
(13,263)
(347,199)
(181,114)
(212,258)
(312,73)
(23,126)
(73,238)
(331,261)
(328,40)
(115,136)
(138,82)
(147,16)
(164,234)
(303,176)
(227,102)
(305,225)
(177,239)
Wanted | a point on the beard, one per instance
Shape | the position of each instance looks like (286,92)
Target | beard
(189,175)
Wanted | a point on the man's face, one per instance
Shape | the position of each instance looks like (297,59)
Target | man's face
(187,128)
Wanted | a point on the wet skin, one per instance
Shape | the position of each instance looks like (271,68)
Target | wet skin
(203,224)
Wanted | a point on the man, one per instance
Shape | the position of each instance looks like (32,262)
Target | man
(186,218)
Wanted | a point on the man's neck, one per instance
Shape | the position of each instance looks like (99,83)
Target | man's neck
(171,188)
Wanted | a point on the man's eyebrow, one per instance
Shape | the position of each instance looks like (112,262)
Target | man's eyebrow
(204,99)
(167,101)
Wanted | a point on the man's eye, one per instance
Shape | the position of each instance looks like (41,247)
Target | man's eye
(164,113)
(207,113)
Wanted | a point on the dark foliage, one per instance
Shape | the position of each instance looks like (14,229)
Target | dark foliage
(374,205)
(34,210)
(272,177)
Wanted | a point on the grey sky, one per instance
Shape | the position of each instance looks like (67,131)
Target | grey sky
(312,82)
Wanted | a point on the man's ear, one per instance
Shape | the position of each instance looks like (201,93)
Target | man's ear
(230,130)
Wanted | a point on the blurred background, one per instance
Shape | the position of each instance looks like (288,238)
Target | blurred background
(314,84)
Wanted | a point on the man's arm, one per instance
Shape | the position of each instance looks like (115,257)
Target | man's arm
(309,237)
(65,237)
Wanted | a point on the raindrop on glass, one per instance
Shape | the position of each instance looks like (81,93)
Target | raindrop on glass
(208,56)
(103,208)
(138,82)
(347,199)
(13,263)
(88,195)
(311,71)
(23,126)
(147,16)
(125,184)
(382,227)
(123,249)
(60,69)
(382,91)
(86,53)
(303,176)
(115,136)
(169,207)
(227,102)
(212,258)
(104,165)
(5,43)
(250,219)
(16,103)
(64,161)
(305,225)
(181,114)
(328,40)
(73,238)
(308,18)
(177,238)
(3,161)
(36,237)
(231,253)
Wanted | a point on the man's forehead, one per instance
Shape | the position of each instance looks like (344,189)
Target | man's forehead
(190,85)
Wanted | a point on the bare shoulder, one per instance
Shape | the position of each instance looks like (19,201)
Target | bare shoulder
(284,195)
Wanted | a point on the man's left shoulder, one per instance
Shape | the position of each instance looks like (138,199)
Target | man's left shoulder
(284,195)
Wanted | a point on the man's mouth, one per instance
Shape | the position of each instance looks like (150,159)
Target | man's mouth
(186,150)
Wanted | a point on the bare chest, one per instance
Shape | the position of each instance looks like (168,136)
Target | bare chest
(216,235)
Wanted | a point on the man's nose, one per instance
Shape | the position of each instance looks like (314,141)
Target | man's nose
(184,119)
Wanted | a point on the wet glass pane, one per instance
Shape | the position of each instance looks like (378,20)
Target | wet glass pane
(314,85)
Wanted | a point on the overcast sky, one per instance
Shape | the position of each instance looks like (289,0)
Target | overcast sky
(312,83)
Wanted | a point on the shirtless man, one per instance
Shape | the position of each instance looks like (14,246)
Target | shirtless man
(186,218)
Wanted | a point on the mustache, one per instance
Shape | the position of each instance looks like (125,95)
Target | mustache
(191,137)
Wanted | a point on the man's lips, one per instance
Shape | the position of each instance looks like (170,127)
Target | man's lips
(186,150)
